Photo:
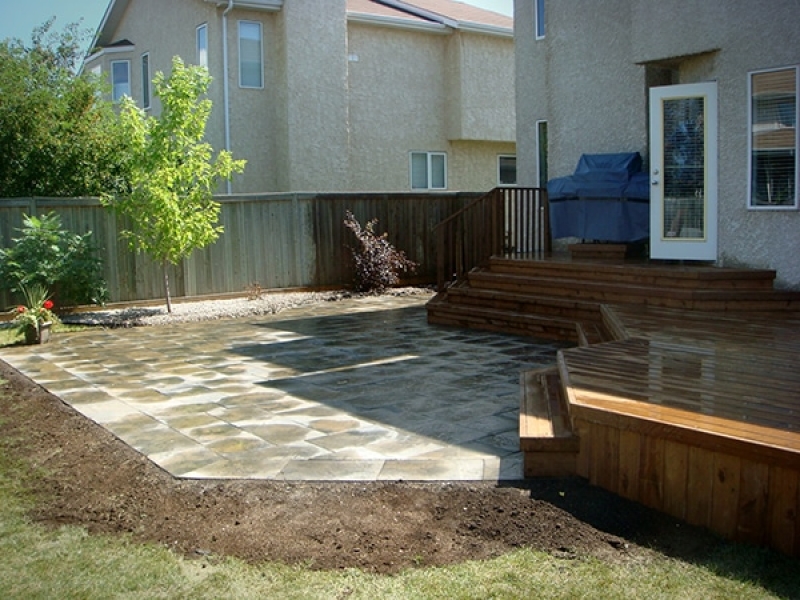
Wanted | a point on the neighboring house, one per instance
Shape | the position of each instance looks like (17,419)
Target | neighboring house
(333,95)
(705,91)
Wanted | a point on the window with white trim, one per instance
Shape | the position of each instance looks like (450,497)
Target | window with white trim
(539,17)
(506,170)
(146,81)
(120,79)
(251,64)
(428,170)
(202,45)
(773,139)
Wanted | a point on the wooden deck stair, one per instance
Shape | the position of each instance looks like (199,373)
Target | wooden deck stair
(547,297)
(549,447)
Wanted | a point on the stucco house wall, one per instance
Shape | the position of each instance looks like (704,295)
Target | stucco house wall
(345,100)
(397,93)
(589,79)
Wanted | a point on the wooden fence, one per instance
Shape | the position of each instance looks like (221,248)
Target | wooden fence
(274,240)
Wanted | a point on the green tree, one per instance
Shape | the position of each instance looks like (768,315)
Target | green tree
(58,137)
(173,173)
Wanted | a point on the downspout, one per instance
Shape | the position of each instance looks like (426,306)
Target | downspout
(225,92)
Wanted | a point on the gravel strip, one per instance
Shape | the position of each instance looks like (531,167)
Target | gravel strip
(208,310)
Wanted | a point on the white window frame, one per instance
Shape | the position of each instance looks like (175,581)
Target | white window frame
(201,45)
(147,95)
(260,51)
(429,169)
(539,18)
(751,202)
(500,182)
(115,97)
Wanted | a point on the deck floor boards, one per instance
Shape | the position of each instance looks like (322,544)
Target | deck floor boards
(736,376)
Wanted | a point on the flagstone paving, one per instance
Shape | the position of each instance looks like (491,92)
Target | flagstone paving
(361,389)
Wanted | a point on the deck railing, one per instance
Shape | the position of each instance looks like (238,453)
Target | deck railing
(505,221)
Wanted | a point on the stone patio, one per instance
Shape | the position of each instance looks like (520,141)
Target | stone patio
(361,389)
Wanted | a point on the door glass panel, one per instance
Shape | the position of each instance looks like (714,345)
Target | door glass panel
(684,168)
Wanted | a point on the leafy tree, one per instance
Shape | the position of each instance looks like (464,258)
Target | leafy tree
(173,174)
(58,137)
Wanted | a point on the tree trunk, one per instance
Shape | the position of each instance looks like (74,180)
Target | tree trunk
(166,288)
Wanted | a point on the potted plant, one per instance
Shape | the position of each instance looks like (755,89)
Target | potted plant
(35,318)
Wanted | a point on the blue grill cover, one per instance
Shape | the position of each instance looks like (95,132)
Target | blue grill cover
(606,199)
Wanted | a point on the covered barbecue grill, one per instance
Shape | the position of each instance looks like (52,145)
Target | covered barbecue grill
(607,199)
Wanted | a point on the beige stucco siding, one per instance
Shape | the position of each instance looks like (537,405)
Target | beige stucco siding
(344,102)
(409,92)
(587,79)
(254,114)
(482,81)
(397,102)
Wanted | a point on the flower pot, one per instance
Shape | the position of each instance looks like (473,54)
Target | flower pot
(31,334)
(38,335)
(44,332)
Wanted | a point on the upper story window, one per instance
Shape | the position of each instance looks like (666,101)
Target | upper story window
(428,171)
(120,79)
(251,68)
(539,18)
(202,45)
(146,81)
(773,139)
(506,170)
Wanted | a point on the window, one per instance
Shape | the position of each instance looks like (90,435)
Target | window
(428,171)
(120,79)
(506,170)
(541,150)
(251,71)
(202,45)
(539,19)
(773,139)
(145,81)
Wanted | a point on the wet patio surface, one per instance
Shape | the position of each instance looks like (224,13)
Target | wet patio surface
(356,390)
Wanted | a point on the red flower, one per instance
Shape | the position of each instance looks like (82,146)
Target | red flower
(48,304)
(21,309)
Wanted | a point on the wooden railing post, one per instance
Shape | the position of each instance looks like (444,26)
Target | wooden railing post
(514,220)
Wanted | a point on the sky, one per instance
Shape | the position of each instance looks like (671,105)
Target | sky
(18,18)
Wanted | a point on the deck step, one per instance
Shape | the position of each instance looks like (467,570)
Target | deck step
(567,308)
(501,321)
(639,273)
(590,334)
(548,445)
(588,290)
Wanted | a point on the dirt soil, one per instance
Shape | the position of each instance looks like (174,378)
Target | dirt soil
(91,479)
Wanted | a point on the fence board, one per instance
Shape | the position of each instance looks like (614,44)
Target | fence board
(275,240)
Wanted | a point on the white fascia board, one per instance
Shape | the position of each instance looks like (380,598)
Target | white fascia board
(486,29)
(425,14)
(113,50)
(268,5)
(396,22)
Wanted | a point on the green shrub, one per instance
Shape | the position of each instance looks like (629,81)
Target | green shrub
(377,263)
(47,255)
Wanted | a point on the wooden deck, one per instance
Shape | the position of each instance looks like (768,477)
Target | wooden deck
(695,414)
(684,394)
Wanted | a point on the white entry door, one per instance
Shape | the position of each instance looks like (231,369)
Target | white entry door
(683,172)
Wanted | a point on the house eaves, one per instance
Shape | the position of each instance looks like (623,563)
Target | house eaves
(268,5)
(410,7)
(396,22)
